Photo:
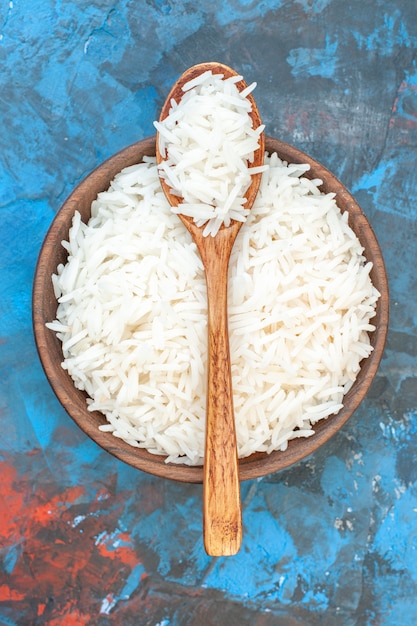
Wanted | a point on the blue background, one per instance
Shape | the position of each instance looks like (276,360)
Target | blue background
(85,539)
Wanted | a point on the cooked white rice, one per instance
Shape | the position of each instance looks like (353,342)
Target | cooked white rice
(209,143)
(132,314)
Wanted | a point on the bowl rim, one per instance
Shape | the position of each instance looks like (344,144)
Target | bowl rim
(73,400)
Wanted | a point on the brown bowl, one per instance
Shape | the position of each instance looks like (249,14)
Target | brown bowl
(74,401)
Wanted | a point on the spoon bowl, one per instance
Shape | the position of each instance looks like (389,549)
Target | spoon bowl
(221,488)
(176,94)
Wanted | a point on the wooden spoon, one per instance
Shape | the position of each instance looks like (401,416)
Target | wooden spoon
(221,493)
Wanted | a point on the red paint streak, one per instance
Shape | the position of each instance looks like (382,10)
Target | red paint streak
(16,502)
(33,452)
(394,111)
(10,594)
(12,506)
(70,616)
(62,574)
(399,119)
(54,508)
(41,608)
(123,553)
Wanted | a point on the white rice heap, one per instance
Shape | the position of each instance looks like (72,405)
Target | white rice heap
(209,142)
(132,314)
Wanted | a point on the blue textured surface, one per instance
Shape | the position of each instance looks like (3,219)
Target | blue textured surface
(85,539)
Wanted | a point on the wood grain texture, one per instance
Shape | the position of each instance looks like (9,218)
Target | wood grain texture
(221,493)
(74,401)
(222,509)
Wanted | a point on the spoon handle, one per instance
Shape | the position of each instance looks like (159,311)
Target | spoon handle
(221,488)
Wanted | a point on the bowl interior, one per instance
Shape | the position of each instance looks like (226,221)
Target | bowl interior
(74,401)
